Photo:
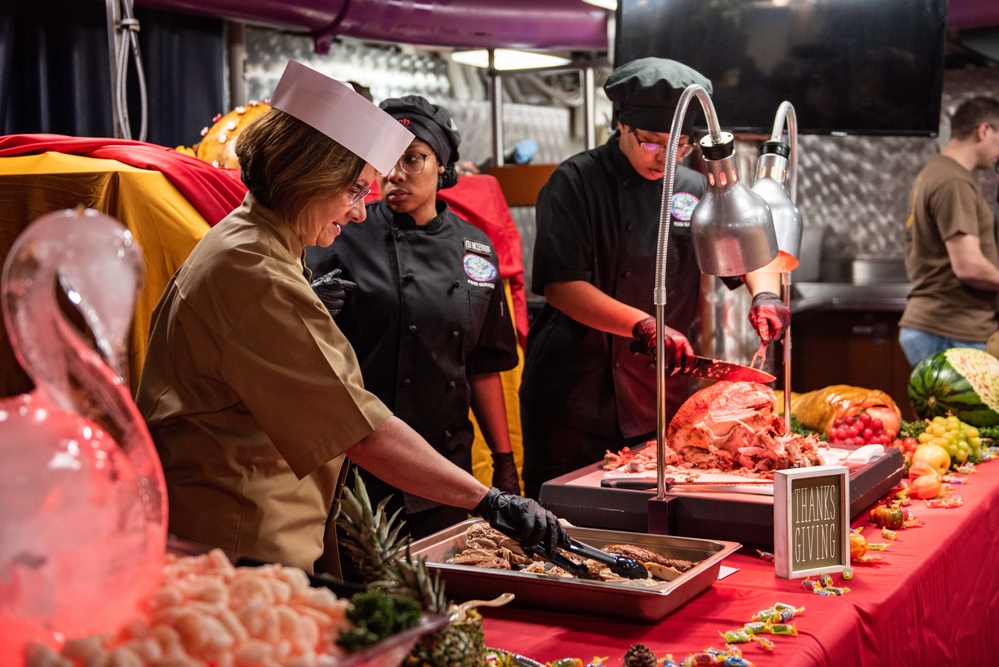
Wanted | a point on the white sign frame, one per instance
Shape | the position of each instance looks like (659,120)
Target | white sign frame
(795,534)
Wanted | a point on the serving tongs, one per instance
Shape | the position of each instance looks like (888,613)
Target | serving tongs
(622,566)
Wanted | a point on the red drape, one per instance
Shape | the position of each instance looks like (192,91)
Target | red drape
(213,192)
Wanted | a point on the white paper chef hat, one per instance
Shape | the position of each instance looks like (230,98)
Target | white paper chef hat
(333,108)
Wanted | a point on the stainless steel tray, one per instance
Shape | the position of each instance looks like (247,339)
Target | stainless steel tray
(577,595)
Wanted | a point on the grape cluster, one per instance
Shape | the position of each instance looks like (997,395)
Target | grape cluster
(859,429)
(960,440)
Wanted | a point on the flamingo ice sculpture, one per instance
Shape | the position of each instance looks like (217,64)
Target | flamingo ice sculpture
(83,511)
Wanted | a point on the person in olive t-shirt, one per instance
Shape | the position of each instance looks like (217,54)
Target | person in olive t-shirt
(951,254)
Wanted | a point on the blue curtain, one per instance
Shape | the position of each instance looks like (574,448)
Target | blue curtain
(55,72)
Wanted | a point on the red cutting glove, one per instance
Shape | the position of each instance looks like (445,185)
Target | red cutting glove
(769,316)
(679,354)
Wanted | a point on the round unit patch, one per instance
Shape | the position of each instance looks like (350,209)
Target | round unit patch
(683,205)
(479,268)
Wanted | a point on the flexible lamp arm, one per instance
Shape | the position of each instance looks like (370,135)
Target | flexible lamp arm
(669,177)
(785,112)
(662,247)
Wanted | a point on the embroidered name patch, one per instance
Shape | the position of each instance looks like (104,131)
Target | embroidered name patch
(683,205)
(479,269)
(477,247)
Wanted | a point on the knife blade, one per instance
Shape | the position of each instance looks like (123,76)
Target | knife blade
(707,368)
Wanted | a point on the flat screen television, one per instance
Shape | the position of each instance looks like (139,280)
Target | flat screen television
(862,67)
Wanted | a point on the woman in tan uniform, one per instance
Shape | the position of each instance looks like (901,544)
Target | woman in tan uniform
(244,360)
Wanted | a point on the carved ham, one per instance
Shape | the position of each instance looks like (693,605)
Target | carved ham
(733,425)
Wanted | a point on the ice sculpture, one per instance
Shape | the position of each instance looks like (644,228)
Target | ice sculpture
(83,510)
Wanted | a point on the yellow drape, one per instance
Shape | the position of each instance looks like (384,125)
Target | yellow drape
(482,463)
(165,225)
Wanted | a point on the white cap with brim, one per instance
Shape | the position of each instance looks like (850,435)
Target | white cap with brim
(333,108)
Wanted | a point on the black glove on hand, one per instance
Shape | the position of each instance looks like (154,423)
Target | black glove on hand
(505,476)
(679,354)
(332,291)
(769,314)
(524,520)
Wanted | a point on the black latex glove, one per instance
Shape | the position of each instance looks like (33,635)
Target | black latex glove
(769,316)
(332,291)
(524,520)
(505,477)
(678,353)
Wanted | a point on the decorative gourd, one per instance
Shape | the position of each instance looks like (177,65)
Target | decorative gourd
(816,410)
(961,381)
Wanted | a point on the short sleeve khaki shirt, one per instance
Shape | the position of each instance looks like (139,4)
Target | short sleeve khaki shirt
(251,394)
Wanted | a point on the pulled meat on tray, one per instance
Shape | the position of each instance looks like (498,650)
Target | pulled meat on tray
(488,548)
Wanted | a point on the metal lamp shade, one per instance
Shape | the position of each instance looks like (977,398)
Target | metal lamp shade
(770,175)
(732,226)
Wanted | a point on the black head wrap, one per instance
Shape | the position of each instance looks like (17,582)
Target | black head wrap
(432,124)
(645,93)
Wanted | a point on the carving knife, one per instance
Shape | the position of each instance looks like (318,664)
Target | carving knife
(715,369)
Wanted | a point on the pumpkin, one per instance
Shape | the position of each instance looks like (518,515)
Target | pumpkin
(888,516)
(961,381)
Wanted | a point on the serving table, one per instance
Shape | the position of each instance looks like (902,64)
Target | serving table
(932,599)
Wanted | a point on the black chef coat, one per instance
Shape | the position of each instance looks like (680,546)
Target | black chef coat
(598,221)
(429,311)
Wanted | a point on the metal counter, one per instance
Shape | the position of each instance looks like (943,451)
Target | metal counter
(882,297)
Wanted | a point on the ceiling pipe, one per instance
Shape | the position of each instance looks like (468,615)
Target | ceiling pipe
(517,24)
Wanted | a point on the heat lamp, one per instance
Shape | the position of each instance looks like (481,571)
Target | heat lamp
(733,232)
(776,182)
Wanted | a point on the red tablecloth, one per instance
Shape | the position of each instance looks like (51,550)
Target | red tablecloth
(932,600)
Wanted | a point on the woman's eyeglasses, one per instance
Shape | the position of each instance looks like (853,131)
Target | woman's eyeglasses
(683,150)
(412,162)
(357,193)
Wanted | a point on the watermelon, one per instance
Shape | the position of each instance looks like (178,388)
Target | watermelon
(961,381)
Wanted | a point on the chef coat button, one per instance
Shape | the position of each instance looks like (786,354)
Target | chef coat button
(398,236)
(408,278)
(456,283)
(452,384)
(455,334)
(630,226)
(412,328)
(447,434)
(627,274)
(407,382)
(617,364)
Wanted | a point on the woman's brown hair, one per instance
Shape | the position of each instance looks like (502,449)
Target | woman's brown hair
(288,164)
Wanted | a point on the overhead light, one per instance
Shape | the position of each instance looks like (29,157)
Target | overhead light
(603,4)
(508,59)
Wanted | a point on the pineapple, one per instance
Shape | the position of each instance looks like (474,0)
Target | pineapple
(384,560)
